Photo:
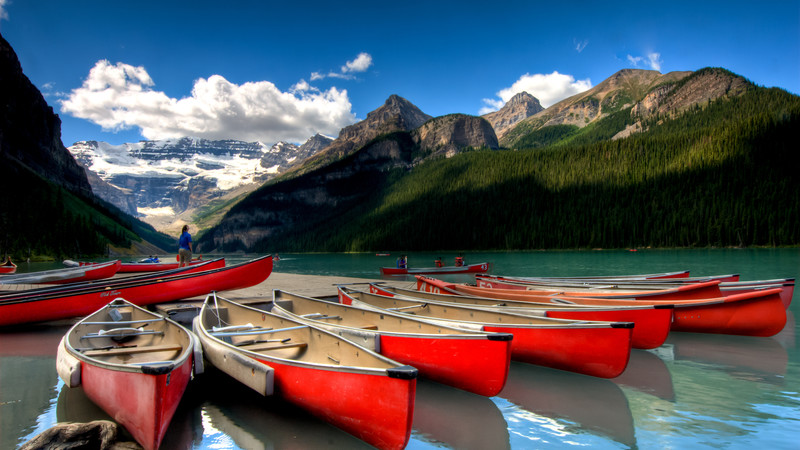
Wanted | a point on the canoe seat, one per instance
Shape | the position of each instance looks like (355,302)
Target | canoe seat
(132,350)
(274,347)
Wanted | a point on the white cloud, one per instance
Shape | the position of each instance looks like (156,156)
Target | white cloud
(548,88)
(362,62)
(120,96)
(652,60)
(580,45)
(3,13)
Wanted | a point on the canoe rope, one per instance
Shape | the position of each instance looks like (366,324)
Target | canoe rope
(319,316)
(422,305)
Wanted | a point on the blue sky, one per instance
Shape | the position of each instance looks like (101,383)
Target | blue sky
(269,71)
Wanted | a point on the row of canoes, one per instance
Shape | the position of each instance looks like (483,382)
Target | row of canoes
(354,363)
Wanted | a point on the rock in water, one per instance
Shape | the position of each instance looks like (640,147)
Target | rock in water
(98,434)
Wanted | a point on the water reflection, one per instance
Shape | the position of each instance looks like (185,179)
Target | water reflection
(582,403)
(252,421)
(458,419)
(742,357)
(647,373)
(28,380)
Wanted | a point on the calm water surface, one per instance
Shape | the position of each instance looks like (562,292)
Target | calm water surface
(696,391)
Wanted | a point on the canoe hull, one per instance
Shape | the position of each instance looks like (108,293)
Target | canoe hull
(352,387)
(478,366)
(469,360)
(144,404)
(758,313)
(600,350)
(350,401)
(55,306)
(651,325)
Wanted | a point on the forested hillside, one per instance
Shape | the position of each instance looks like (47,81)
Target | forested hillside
(720,174)
(40,218)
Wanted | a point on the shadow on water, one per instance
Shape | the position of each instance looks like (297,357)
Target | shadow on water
(744,357)
(458,419)
(584,404)
(647,373)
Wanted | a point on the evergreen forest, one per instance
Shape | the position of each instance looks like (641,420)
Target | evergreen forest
(723,173)
(40,219)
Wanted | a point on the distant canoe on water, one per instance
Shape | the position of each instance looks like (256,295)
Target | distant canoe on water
(7,266)
(469,268)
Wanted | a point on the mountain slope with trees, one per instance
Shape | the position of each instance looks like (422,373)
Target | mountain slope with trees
(713,172)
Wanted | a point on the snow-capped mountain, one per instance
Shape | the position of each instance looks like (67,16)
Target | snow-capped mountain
(165,178)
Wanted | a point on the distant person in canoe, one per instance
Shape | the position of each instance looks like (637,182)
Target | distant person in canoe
(438,262)
(185,247)
(459,261)
(402,262)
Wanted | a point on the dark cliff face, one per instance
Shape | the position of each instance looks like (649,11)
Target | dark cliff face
(30,132)
(449,134)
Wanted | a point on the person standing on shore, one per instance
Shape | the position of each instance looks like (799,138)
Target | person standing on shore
(185,247)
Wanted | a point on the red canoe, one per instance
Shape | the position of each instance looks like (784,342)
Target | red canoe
(361,392)
(448,355)
(599,349)
(651,322)
(7,266)
(66,275)
(132,363)
(54,303)
(108,282)
(469,268)
(758,313)
(726,288)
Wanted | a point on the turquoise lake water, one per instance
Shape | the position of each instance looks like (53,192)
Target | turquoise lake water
(695,391)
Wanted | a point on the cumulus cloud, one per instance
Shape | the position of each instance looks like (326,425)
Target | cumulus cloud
(652,60)
(3,13)
(361,63)
(120,96)
(548,88)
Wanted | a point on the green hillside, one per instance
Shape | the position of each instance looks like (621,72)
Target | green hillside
(720,174)
(40,219)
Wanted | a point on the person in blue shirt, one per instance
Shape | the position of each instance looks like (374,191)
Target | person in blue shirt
(185,247)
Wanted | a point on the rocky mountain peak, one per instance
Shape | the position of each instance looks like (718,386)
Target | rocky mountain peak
(396,114)
(521,106)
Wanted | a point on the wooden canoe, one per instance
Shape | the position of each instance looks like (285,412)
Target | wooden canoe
(599,349)
(65,275)
(666,277)
(448,355)
(132,363)
(651,322)
(469,268)
(758,313)
(72,301)
(709,289)
(725,287)
(363,393)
